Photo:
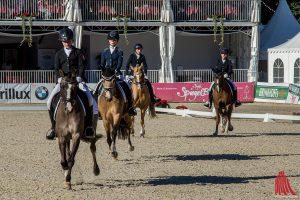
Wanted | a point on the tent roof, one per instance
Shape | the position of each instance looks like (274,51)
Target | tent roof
(293,43)
(282,27)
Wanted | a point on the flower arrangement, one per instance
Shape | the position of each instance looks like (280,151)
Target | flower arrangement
(218,18)
(162,104)
(125,18)
(26,16)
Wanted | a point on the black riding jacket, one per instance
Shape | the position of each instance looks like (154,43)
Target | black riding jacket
(133,60)
(112,60)
(65,63)
(224,67)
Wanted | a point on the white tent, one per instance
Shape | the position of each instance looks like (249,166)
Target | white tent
(284,62)
(282,27)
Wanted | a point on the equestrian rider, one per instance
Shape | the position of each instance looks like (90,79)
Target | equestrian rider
(67,59)
(138,58)
(224,65)
(112,57)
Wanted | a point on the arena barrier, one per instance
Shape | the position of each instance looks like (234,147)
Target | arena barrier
(267,117)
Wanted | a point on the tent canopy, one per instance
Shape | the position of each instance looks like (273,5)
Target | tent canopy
(291,44)
(282,27)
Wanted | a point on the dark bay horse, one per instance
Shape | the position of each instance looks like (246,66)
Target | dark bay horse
(70,125)
(141,96)
(113,109)
(222,99)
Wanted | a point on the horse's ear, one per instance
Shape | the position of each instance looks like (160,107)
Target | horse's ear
(61,73)
(74,72)
(141,66)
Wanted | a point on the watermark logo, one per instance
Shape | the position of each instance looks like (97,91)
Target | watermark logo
(41,93)
(282,186)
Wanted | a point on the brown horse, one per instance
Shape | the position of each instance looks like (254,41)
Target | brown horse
(70,124)
(113,109)
(222,98)
(141,96)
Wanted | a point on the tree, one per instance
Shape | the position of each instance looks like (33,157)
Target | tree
(269,5)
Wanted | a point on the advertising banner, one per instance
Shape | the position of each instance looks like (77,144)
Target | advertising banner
(293,94)
(271,92)
(14,93)
(41,91)
(197,92)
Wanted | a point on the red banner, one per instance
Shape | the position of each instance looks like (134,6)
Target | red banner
(197,92)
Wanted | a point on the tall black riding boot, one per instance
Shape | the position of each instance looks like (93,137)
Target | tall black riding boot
(210,98)
(50,135)
(89,129)
(235,100)
(131,109)
(153,100)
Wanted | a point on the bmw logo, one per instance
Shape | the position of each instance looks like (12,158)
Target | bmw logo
(41,93)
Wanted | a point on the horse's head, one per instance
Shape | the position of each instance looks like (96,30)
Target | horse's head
(138,74)
(219,80)
(109,83)
(68,89)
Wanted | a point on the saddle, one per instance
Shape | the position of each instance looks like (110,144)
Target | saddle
(82,97)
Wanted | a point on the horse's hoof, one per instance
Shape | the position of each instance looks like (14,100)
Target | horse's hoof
(96,171)
(215,134)
(131,148)
(67,186)
(114,154)
(230,128)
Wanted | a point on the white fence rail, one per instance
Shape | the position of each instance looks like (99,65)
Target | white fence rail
(93,76)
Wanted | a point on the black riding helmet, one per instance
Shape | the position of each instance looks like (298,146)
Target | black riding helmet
(138,46)
(65,34)
(224,51)
(113,35)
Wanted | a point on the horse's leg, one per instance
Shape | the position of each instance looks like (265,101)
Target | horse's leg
(108,128)
(71,160)
(93,150)
(128,120)
(217,121)
(142,132)
(114,152)
(68,149)
(132,126)
(230,127)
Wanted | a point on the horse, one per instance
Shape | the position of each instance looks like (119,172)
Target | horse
(141,96)
(113,110)
(70,126)
(222,99)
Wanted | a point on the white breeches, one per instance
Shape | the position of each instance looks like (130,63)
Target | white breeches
(83,87)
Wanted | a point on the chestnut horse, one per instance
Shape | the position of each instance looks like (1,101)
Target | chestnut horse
(222,98)
(141,96)
(113,109)
(70,125)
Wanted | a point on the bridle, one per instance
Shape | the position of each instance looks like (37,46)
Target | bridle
(109,91)
(69,98)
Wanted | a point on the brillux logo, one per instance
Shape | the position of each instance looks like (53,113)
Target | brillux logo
(14,94)
(282,186)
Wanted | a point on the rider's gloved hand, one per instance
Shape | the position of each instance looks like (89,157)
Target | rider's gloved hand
(146,77)
(78,79)
(226,75)
(127,78)
(59,79)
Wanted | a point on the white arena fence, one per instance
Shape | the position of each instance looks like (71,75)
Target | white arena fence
(267,117)
(93,76)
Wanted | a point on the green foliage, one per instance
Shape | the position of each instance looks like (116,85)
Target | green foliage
(295,7)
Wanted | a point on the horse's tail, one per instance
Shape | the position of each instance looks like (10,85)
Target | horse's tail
(152,112)
(123,130)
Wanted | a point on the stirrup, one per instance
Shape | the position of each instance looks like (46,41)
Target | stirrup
(237,103)
(50,135)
